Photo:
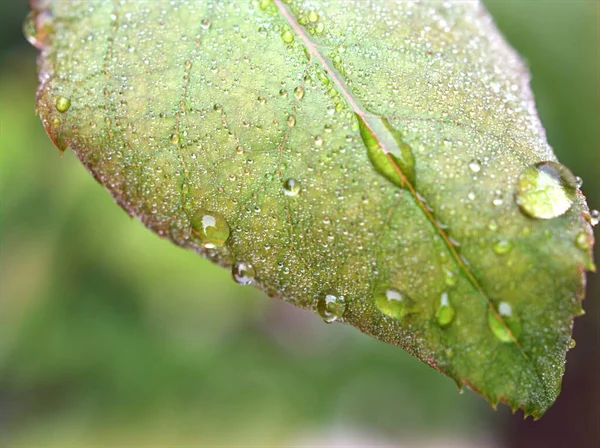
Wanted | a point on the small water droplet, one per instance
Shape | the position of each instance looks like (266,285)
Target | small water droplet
(492,226)
(450,277)
(578,181)
(291,187)
(475,166)
(287,36)
(291,121)
(210,228)
(62,104)
(319,28)
(582,241)
(445,312)
(502,247)
(243,273)
(572,344)
(299,92)
(594,217)
(331,308)
(503,324)
(313,16)
(392,302)
(264,4)
(205,24)
(174,139)
(545,190)
(381,141)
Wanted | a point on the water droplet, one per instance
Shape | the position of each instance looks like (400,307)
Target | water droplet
(37,27)
(594,217)
(299,92)
(503,324)
(319,28)
(205,24)
(291,122)
(287,36)
(502,247)
(445,312)
(582,241)
(492,226)
(578,181)
(383,143)
(331,308)
(313,16)
(264,4)
(475,166)
(210,228)
(62,104)
(243,273)
(291,187)
(174,139)
(545,190)
(392,303)
(572,344)
(450,277)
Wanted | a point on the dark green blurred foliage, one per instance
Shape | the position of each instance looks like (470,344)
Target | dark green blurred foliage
(110,336)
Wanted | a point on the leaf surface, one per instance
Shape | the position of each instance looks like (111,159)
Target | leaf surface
(376,162)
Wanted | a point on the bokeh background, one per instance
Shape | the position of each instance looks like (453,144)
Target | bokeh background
(110,336)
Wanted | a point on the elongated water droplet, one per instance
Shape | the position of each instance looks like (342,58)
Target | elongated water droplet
(331,308)
(299,92)
(291,187)
(502,247)
(503,324)
(210,229)
(545,190)
(243,273)
(392,302)
(62,104)
(381,141)
(445,312)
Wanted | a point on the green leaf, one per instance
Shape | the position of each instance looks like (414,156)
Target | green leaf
(380,163)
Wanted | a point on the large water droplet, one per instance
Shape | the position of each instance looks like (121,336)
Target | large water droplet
(243,273)
(445,312)
(503,324)
(546,190)
(62,104)
(210,228)
(594,217)
(383,143)
(331,308)
(392,302)
(291,187)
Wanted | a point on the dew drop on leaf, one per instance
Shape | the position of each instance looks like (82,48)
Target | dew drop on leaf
(210,229)
(299,92)
(582,241)
(502,247)
(381,140)
(392,302)
(291,187)
(475,166)
(331,308)
(545,190)
(508,328)
(62,104)
(594,217)
(243,273)
(287,36)
(444,315)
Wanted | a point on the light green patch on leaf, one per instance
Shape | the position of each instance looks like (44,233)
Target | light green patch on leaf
(363,162)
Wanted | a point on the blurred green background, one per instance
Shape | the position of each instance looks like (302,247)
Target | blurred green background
(110,336)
